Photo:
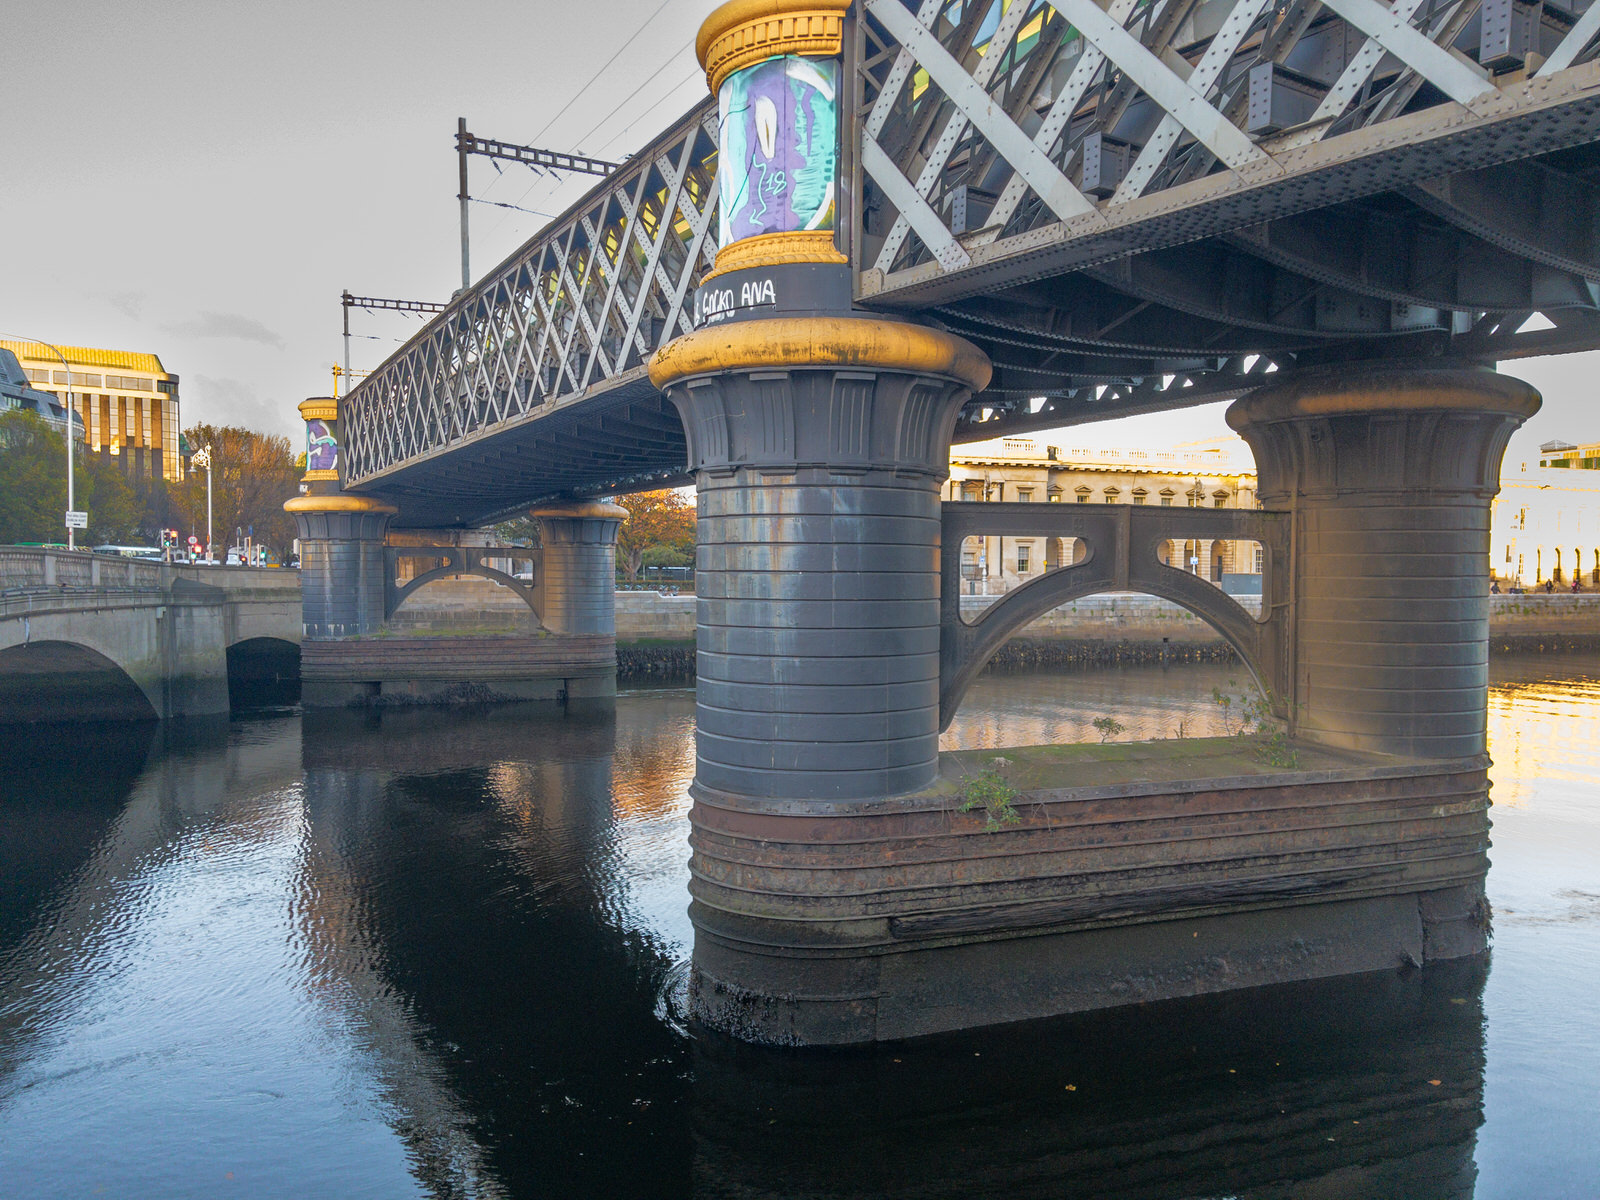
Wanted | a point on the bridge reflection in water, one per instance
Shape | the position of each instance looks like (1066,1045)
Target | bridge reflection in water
(440,953)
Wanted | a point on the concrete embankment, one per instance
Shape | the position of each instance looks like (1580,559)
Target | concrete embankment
(655,632)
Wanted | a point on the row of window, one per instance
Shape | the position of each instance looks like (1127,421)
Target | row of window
(1112,495)
(126,383)
(970,565)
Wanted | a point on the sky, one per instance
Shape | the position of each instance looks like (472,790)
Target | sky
(202,180)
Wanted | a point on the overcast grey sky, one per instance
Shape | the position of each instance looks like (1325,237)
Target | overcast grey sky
(202,178)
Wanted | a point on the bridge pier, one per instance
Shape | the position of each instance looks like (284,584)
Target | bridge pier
(819,446)
(1389,473)
(841,892)
(341,562)
(579,585)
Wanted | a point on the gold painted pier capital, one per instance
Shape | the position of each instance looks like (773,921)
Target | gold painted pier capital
(319,408)
(341,503)
(776,249)
(798,343)
(1352,391)
(742,33)
(604,509)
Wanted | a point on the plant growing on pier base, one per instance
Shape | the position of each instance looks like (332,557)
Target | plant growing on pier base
(1254,713)
(990,792)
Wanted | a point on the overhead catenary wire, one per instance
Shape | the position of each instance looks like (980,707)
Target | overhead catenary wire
(602,70)
(503,204)
(647,81)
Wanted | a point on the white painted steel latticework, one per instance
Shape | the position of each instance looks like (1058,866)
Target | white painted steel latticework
(980,118)
(1136,205)
(580,307)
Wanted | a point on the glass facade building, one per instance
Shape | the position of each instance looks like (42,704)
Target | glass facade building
(127,399)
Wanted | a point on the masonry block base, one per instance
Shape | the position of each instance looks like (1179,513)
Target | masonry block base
(885,997)
(1129,874)
(355,672)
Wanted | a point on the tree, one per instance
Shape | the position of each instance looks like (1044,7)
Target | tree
(33,487)
(664,519)
(252,475)
(519,531)
(33,480)
(666,556)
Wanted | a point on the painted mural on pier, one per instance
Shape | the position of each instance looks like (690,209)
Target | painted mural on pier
(780,147)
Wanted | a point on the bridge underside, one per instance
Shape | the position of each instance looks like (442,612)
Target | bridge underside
(1457,269)
(621,437)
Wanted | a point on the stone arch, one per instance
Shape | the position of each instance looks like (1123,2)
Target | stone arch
(1249,637)
(45,680)
(263,670)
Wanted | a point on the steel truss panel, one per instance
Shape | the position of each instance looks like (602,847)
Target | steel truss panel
(968,112)
(575,313)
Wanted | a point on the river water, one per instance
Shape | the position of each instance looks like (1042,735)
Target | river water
(442,954)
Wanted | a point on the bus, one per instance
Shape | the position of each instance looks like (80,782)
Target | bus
(146,552)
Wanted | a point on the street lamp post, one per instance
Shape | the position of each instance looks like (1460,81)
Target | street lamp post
(72,543)
(203,458)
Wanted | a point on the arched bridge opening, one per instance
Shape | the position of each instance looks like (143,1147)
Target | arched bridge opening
(1111,549)
(45,682)
(263,672)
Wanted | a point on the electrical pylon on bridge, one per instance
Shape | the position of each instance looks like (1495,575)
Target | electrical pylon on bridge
(842,891)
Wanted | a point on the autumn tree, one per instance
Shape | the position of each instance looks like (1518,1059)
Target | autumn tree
(252,475)
(663,519)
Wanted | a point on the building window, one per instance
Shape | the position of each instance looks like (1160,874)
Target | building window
(1219,502)
(1024,495)
(1140,495)
(1260,558)
(1022,560)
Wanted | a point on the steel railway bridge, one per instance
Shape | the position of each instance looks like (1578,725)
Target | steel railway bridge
(1007,216)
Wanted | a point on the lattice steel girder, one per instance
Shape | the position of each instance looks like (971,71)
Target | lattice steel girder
(1521,118)
(1528,209)
(574,313)
(1212,280)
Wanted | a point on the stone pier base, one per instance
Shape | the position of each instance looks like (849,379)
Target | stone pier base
(442,670)
(1129,874)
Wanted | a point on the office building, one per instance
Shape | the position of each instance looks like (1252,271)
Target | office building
(127,400)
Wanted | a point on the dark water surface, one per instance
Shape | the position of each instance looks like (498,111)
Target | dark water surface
(440,954)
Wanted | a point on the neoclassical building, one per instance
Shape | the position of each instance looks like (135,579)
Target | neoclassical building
(1023,470)
(1545,525)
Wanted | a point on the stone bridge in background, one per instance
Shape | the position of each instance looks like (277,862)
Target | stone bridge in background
(89,636)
